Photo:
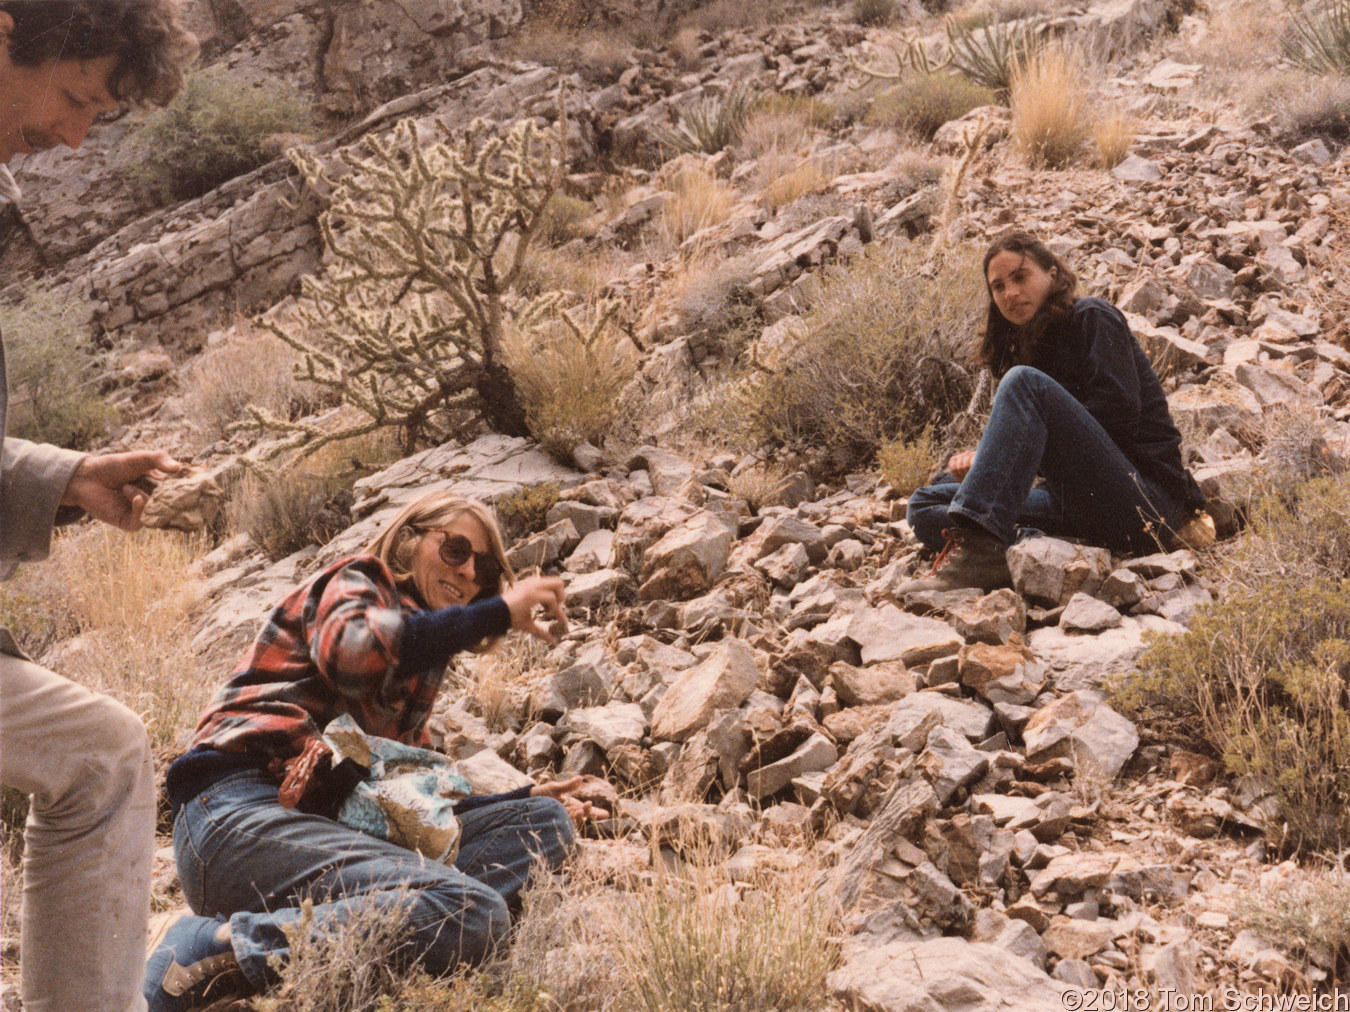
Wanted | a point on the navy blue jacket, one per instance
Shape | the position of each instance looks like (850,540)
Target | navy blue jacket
(1096,358)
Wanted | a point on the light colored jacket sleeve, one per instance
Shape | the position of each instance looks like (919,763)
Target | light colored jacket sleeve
(33,478)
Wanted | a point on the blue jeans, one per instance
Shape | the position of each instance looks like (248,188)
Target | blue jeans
(1091,489)
(243,856)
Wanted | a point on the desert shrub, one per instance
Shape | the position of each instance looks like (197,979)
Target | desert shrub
(525,511)
(562,216)
(701,200)
(720,16)
(1112,136)
(780,123)
(214,130)
(758,485)
(711,123)
(569,380)
(923,102)
(907,464)
(695,940)
(991,52)
(876,359)
(1319,40)
(874,12)
(1309,914)
(248,366)
(307,503)
(1259,678)
(1307,106)
(1049,108)
(51,368)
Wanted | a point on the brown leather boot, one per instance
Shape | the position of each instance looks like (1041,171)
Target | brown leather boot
(972,557)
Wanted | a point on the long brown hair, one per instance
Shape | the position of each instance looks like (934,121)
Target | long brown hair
(1005,344)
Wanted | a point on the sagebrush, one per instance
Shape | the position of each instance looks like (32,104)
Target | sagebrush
(216,128)
(922,103)
(880,357)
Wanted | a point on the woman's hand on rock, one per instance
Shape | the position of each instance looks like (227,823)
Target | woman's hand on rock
(536,591)
(960,464)
(579,809)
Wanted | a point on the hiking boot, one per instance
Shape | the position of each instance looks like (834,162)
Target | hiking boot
(972,557)
(192,966)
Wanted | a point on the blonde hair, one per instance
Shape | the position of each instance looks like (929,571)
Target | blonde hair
(397,543)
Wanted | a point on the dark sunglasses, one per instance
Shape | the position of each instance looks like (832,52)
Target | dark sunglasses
(456,550)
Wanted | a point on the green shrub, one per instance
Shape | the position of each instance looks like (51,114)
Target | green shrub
(876,359)
(1320,41)
(873,12)
(525,512)
(908,463)
(1259,678)
(710,124)
(1309,915)
(990,53)
(922,103)
(51,369)
(213,131)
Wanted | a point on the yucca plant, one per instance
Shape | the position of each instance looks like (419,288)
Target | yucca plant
(1320,42)
(711,124)
(989,54)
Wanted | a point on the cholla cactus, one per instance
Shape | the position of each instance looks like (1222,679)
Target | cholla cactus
(426,242)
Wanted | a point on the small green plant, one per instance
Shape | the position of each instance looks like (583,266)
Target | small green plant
(1319,40)
(562,216)
(214,130)
(877,358)
(990,53)
(907,464)
(873,12)
(710,124)
(525,512)
(922,103)
(51,367)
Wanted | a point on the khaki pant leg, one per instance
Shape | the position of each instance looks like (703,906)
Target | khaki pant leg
(85,761)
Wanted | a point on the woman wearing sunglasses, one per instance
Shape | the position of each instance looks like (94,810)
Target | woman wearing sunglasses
(254,829)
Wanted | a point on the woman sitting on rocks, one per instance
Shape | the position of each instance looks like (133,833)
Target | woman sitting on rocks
(1078,404)
(261,804)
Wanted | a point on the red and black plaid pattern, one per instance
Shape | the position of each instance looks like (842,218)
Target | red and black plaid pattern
(331,647)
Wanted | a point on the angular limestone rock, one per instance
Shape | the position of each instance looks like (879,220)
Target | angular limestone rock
(1081,726)
(190,501)
(725,679)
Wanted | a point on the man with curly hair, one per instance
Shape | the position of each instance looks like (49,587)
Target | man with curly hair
(82,758)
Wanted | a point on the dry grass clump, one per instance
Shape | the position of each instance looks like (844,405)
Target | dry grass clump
(877,359)
(308,502)
(780,123)
(697,940)
(725,15)
(563,216)
(1050,108)
(806,176)
(1112,136)
(1305,106)
(758,485)
(130,599)
(246,366)
(873,12)
(570,381)
(1259,678)
(922,103)
(907,464)
(701,200)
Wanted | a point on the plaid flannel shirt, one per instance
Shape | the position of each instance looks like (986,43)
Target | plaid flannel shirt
(331,647)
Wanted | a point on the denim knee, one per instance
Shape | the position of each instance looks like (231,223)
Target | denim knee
(553,827)
(471,921)
(1023,377)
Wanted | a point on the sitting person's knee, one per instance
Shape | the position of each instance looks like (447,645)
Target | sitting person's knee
(553,828)
(472,921)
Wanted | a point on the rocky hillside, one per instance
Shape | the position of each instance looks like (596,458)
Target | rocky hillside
(740,667)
